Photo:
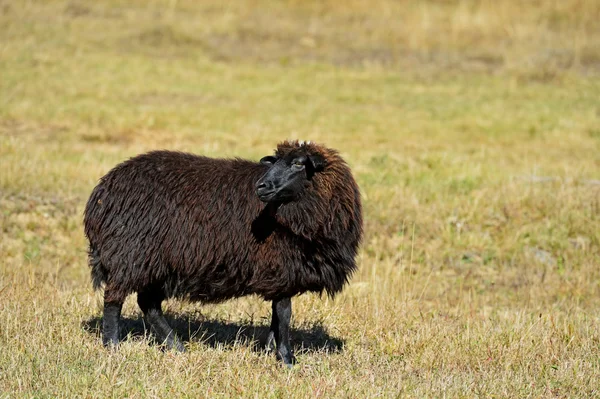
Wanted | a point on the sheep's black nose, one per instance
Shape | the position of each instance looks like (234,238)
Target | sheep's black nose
(264,185)
(264,189)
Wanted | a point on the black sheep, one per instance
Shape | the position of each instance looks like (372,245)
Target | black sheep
(169,224)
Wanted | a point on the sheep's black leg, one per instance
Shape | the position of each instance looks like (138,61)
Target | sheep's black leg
(150,303)
(280,330)
(110,323)
(271,337)
(111,319)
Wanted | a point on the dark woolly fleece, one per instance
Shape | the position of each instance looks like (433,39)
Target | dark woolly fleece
(193,227)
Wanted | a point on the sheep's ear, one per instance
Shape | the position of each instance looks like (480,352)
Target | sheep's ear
(318,162)
(268,160)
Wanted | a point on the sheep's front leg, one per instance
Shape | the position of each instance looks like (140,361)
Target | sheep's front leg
(280,330)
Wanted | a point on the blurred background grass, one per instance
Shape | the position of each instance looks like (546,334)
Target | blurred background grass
(472,128)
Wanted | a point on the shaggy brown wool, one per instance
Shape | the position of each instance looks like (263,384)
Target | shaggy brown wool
(170,224)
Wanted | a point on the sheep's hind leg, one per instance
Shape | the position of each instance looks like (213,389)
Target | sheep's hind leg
(270,346)
(280,330)
(111,318)
(150,303)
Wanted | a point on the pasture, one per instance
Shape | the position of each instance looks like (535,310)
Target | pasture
(472,128)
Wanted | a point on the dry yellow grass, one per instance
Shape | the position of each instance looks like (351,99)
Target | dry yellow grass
(473,131)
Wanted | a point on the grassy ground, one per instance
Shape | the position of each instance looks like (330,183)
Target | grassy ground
(473,129)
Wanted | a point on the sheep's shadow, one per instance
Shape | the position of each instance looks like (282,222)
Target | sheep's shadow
(216,333)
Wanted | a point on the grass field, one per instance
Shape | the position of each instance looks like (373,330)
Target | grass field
(472,127)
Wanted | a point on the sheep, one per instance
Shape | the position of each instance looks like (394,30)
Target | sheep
(170,224)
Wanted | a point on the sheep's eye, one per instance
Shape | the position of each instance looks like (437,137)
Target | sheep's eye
(298,164)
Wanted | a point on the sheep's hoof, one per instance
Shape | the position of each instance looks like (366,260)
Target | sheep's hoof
(288,361)
(179,347)
(110,343)
(175,346)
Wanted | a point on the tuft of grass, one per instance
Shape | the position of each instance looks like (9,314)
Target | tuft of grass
(471,127)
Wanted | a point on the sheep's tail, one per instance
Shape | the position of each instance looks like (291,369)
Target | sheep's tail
(99,272)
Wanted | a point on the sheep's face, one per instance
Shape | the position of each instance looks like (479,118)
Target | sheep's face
(287,176)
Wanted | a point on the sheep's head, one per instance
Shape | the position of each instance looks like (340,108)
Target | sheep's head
(290,171)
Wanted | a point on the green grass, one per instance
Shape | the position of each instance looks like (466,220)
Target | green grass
(472,130)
